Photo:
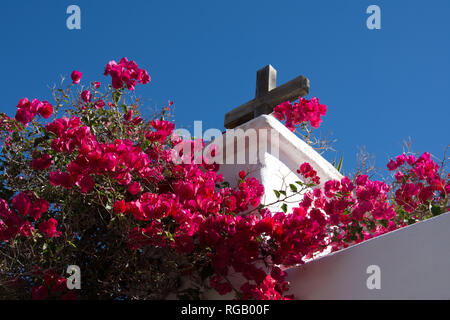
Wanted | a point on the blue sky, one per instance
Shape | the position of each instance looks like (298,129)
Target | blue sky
(380,86)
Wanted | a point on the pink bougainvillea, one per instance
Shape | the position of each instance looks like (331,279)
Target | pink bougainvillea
(126,72)
(27,110)
(76,76)
(300,112)
(97,185)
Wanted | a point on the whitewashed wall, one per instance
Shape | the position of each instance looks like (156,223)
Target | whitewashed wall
(276,170)
(414,263)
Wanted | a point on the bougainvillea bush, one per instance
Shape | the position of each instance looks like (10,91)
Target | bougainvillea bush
(87,181)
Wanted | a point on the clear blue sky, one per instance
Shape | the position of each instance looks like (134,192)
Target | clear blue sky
(380,86)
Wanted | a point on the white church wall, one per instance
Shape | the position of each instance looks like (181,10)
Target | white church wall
(275,169)
(414,263)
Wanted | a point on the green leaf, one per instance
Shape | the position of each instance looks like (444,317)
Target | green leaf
(169,235)
(384,223)
(293,187)
(283,192)
(277,193)
(436,210)
(116,96)
(72,244)
(284,207)
(339,166)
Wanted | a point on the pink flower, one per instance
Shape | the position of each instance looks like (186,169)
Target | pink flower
(384,212)
(76,76)
(49,228)
(50,277)
(278,274)
(63,179)
(45,110)
(26,229)
(24,116)
(400,160)
(74,122)
(58,126)
(361,179)
(99,104)
(86,96)
(134,188)
(265,225)
(24,103)
(60,285)
(128,115)
(35,105)
(399,176)
(22,203)
(42,163)
(119,206)
(86,183)
(136,120)
(38,207)
(392,165)
(411,159)
(145,77)
(426,194)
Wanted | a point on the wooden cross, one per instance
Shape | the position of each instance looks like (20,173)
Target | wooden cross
(267,97)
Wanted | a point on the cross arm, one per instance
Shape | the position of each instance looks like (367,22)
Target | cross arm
(292,90)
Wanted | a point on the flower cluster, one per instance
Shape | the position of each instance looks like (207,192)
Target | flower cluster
(239,245)
(351,211)
(20,220)
(27,110)
(307,171)
(119,160)
(100,187)
(126,72)
(41,162)
(418,181)
(52,285)
(300,112)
